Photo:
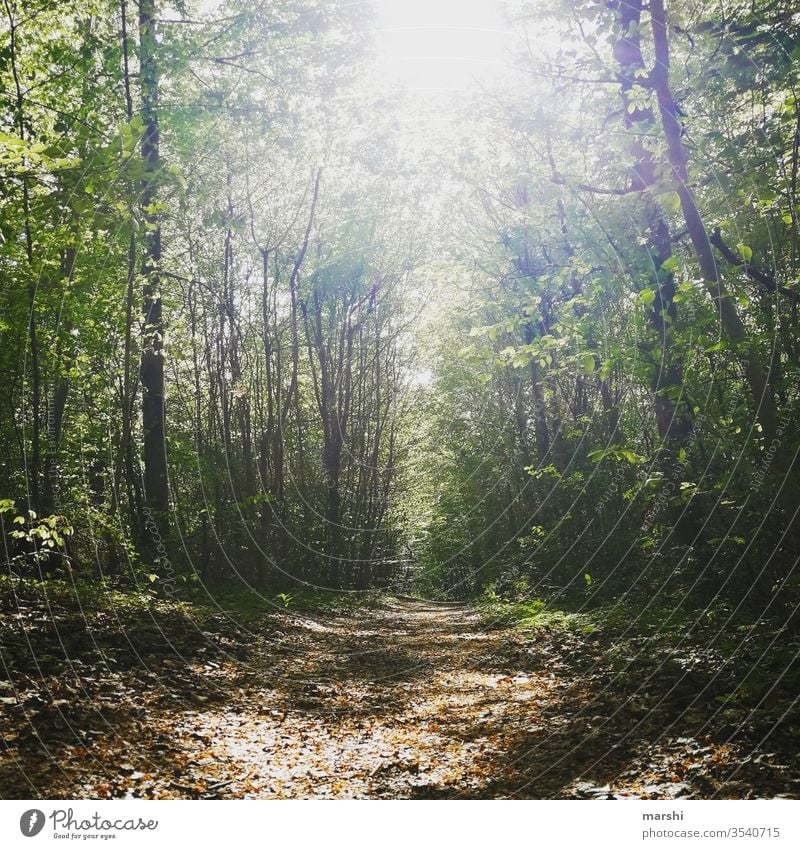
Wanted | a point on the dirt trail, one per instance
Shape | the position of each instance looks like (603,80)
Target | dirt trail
(409,700)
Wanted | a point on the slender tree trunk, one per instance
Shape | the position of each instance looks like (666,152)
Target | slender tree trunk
(757,377)
(152,359)
(541,429)
(672,421)
(57,402)
(127,395)
(36,384)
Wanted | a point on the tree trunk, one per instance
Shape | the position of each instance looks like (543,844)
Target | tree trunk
(672,421)
(152,360)
(127,395)
(757,377)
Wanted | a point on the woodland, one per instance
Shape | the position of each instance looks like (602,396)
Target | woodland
(399,400)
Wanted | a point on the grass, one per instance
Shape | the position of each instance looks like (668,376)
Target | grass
(641,637)
(632,616)
(248,604)
(537,613)
(95,599)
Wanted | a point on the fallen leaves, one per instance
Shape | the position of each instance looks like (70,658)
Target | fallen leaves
(403,701)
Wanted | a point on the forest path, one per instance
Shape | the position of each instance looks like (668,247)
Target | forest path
(411,699)
(405,700)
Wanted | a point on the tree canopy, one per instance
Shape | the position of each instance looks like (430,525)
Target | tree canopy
(294,296)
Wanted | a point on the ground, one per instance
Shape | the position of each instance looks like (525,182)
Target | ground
(402,699)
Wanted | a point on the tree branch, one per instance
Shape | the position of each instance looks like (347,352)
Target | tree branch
(737,261)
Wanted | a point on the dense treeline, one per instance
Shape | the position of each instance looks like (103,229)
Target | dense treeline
(634,360)
(252,326)
(202,308)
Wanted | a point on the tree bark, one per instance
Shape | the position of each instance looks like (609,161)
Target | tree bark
(757,377)
(36,382)
(673,423)
(152,357)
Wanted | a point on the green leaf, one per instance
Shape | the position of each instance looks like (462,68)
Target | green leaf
(671,201)
(647,296)
(671,264)
(745,252)
(587,363)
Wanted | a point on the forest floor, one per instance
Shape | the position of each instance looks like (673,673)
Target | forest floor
(401,699)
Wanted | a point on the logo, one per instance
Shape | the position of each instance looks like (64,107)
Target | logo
(31,822)
(66,825)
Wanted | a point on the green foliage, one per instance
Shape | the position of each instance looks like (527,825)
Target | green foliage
(322,248)
(40,538)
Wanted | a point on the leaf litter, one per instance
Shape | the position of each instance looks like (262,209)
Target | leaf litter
(403,700)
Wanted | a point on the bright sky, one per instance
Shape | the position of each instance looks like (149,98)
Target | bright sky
(425,45)
(440,44)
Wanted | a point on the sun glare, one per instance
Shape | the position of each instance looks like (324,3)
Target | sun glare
(440,45)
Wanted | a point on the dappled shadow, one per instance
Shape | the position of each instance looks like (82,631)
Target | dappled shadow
(406,701)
